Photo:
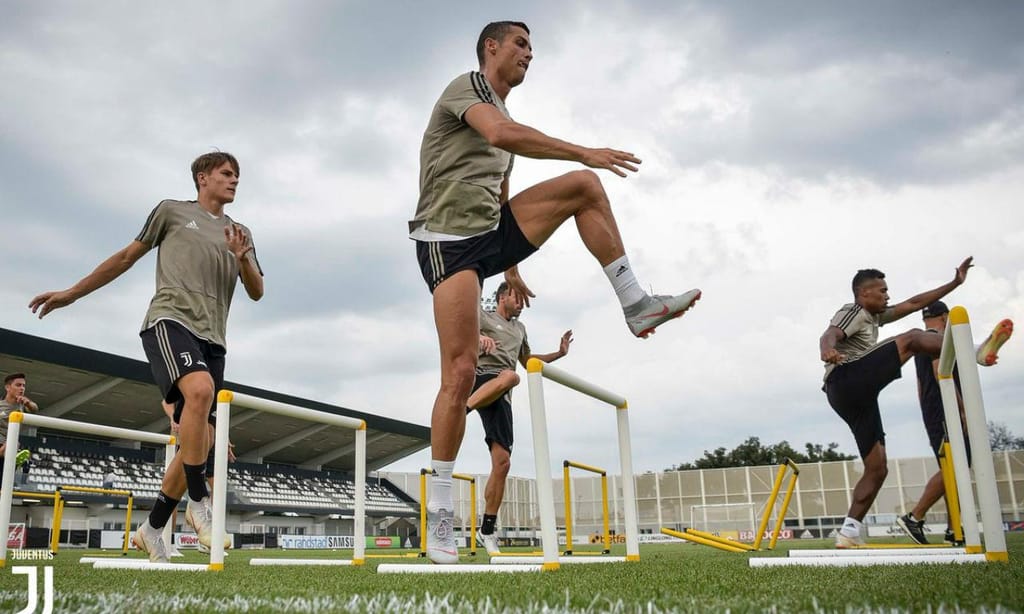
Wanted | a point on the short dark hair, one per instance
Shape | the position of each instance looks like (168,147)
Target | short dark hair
(13,376)
(863,276)
(209,161)
(496,30)
(502,290)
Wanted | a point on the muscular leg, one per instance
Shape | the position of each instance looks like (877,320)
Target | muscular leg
(456,315)
(933,491)
(541,209)
(864,493)
(197,390)
(501,460)
(174,478)
(917,341)
(492,390)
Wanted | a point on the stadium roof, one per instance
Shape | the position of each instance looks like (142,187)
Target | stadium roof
(77,383)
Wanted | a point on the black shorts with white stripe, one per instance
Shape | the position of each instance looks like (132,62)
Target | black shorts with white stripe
(488,254)
(173,351)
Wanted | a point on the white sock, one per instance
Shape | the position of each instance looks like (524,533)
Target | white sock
(851,527)
(441,486)
(626,287)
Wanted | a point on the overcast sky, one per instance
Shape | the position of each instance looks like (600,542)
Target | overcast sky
(785,146)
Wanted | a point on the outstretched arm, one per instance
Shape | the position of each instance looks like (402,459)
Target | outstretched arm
(827,345)
(108,270)
(563,349)
(523,140)
(920,301)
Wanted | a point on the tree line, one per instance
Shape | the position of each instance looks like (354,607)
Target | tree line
(752,452)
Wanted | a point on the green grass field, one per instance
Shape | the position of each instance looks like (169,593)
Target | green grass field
(669,578)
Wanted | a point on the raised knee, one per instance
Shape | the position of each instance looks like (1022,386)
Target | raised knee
(917,340)
(590,183)
(510,379)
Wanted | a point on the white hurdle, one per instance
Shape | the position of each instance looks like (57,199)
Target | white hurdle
(537,370)
(958,350)
(220,487)
(15,421)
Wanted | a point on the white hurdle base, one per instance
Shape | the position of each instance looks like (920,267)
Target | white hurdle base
(864,561)
(876,552)
(320,562)
(472,568)
(92,559)
(145,565)
(565,560)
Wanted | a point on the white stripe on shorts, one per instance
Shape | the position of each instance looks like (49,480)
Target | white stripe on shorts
(165,350)
(436,261)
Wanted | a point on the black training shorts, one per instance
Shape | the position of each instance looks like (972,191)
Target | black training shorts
(496,417)
(852,389)
(173,351)
(488,254)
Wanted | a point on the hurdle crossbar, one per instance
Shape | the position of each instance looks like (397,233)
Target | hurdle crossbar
(567,483)
(225,398)
(958,351)
(58,511)
(15,422)
(721,540)
(902,550)
(423,510)
(703,541)
(862,561)
(537,371)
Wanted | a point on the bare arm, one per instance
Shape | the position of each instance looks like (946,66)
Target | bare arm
(827,345)
(563,349)
(920,301)
(108,270)
(240,246)
(29,405)
(523,140)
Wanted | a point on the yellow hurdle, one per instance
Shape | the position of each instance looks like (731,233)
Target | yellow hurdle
(58,512)
(952,497)
(55,524)
(716,541)
(771,503)
(607,540)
